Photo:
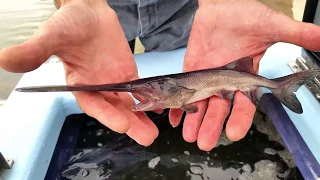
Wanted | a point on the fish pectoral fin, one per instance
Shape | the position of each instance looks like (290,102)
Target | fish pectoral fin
(225,94)
(254,95)
(190,108)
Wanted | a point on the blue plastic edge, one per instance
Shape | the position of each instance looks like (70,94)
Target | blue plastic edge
(304,159)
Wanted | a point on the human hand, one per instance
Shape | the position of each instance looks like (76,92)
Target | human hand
(88,39)
(222,32)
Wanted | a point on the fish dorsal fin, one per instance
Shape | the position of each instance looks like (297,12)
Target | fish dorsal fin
(242,64)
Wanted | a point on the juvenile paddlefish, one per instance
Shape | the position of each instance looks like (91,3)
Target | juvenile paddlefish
(182,89)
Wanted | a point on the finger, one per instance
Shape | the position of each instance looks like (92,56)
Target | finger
(94,105)
(241,117)
(125,97)
(30,54)
(303,34)
(211,127)
(24,57)
(158,111)
(175,116)
(142,129)
(192,122)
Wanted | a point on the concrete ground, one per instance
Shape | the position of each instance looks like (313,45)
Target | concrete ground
(14,29)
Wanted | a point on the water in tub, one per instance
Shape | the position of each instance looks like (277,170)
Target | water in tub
(102,154)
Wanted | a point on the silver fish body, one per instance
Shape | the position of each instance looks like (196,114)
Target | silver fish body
(182,89)
(222,83)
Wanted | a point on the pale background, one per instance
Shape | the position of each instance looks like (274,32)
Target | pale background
(20,18)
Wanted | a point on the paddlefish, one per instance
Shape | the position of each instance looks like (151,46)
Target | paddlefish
(181,90)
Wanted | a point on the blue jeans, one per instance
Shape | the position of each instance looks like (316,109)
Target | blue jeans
(161,25)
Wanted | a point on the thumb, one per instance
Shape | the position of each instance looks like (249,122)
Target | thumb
(30,54)
(306,35)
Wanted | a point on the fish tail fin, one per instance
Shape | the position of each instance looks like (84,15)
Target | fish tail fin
(288,85)
(120,87)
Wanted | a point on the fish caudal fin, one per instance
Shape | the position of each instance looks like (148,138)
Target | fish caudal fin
(288,85)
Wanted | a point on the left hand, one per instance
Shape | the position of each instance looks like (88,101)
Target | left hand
(222,32)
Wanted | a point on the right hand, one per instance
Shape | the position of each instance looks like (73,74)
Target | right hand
(88,39)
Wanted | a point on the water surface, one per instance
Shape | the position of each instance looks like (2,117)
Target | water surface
(88,150)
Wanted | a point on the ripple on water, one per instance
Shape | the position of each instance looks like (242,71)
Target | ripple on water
(19,19)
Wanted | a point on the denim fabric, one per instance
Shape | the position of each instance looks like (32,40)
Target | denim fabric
(161,25)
